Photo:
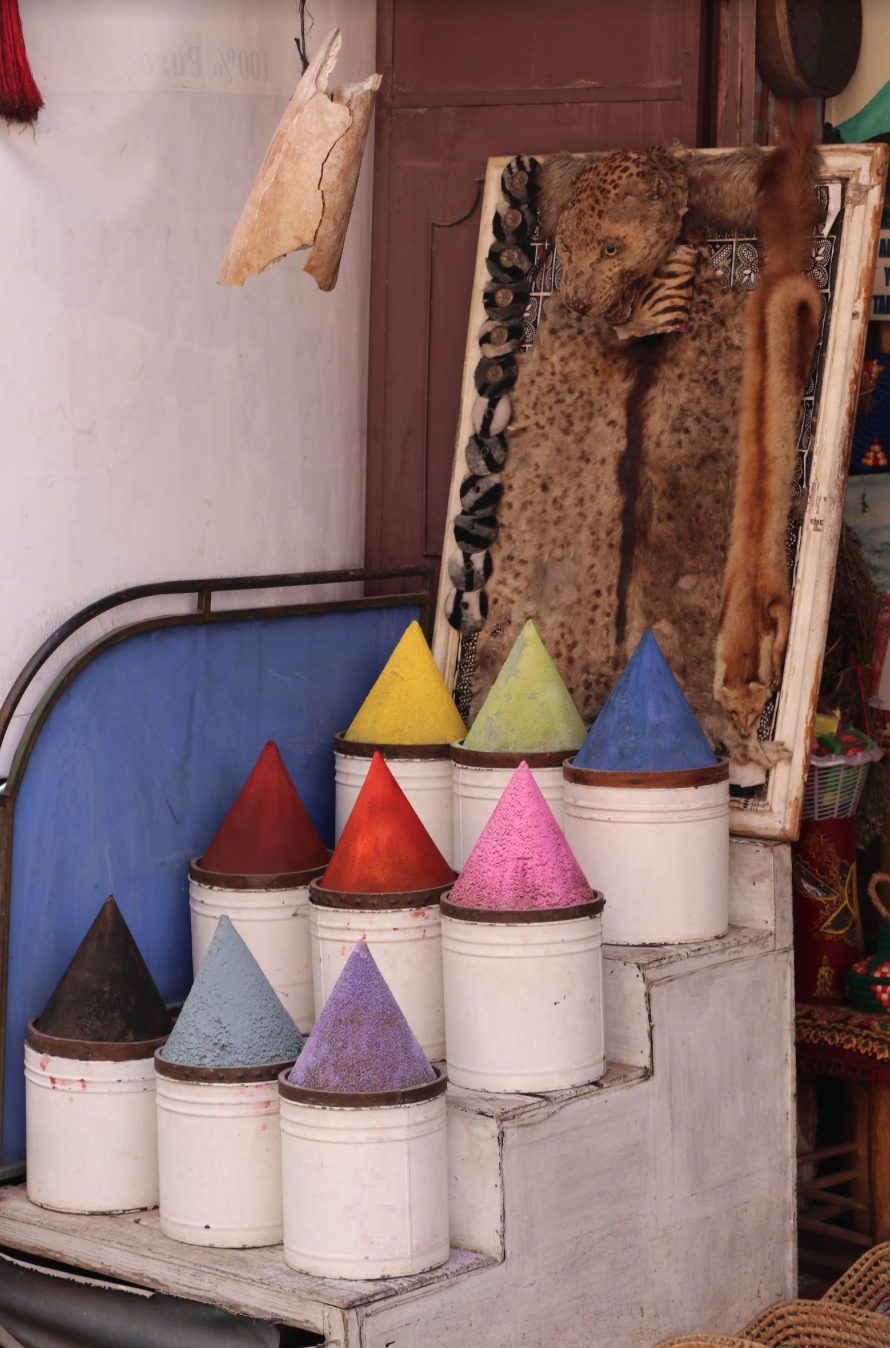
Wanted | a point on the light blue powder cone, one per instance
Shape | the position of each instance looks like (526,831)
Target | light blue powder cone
(232,1017)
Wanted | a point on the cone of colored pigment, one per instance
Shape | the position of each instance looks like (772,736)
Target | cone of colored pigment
(528,717)
(647,811)
(89,1078)
(384,883)
(522,955)
(257,870)
(219,1148)
(364,1104)
(409,716)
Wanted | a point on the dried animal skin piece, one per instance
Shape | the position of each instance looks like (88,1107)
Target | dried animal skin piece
(303,194)
(603,527)
(339,180)
(782,326)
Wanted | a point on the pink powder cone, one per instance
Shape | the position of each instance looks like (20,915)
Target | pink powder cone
(522,859)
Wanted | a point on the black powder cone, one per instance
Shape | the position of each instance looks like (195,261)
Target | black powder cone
(106,994)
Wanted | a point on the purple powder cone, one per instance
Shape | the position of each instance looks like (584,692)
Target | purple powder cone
(361,1042)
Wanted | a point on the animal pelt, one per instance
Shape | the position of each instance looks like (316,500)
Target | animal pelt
(618,490)
(781,330)
(721,188)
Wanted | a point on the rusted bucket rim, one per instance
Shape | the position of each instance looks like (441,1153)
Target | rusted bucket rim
(358,749)
(209,1076)
(222,880)
(92,1050)
(519,917)
(663,781)
(361,903)
(479,758)
(415,1095)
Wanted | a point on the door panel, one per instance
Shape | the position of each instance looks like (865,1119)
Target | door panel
(550,49)
(462,82)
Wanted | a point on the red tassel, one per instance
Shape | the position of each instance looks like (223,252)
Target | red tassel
(20,99)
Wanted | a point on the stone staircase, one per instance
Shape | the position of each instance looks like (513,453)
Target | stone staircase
(659,1200)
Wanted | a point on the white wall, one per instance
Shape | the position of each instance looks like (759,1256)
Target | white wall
(154,425)
(873,69)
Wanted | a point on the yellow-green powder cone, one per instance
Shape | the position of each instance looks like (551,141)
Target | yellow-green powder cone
(409,703)
(528,709)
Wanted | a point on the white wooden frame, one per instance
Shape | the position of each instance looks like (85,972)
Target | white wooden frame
(863,169)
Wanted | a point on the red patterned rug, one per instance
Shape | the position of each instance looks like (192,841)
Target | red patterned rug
(840,1041)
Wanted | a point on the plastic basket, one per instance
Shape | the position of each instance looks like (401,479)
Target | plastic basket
(834,784)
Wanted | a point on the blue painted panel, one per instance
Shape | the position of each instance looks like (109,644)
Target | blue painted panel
(134,770)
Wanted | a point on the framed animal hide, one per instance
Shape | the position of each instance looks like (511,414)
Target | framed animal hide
(660,383)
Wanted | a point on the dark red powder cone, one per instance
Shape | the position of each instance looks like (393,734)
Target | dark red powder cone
(268,830)
(384,848)
(20,99)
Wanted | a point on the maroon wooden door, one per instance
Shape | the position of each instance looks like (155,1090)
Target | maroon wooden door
(464,80)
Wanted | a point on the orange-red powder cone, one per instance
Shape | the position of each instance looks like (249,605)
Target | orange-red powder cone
(268,830)
(384,848)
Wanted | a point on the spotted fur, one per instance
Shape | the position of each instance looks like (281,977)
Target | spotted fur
(621,426)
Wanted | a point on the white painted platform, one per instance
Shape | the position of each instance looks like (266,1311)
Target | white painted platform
(656,1202)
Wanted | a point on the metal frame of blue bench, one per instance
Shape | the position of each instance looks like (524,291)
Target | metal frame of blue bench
(203,615)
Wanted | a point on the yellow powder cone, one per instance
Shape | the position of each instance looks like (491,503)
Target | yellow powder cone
(409,703)
(528,709)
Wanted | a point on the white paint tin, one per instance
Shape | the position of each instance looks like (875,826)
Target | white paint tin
(423,771)
(523,997)
(478,781)
(657,845)
(365,1181)
(404,934)
(219,1155)
(271,914)
(91,1129)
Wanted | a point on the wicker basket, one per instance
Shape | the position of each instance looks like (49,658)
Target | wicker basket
(865,1285)
(800,1324)
(818,1324)
(834,784)
(716,1340)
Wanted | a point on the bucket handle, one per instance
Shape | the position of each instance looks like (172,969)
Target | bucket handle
(879,878)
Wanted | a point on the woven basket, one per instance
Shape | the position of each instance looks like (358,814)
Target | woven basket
(800,1324)
(834,784)
(818,1324)
(865,1285)
(717,1340)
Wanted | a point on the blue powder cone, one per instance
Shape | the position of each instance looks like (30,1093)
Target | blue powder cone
(361,1042)
(646,725)
(232,1017)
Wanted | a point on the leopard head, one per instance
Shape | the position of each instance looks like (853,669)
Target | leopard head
(614,220)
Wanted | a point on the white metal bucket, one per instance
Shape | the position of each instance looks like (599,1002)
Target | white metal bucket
(365,1184)
(524,998)
(273,921)
(478,781)
(657,848)
(219,1156)
(423,771)
(91,1131)
(405,939)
